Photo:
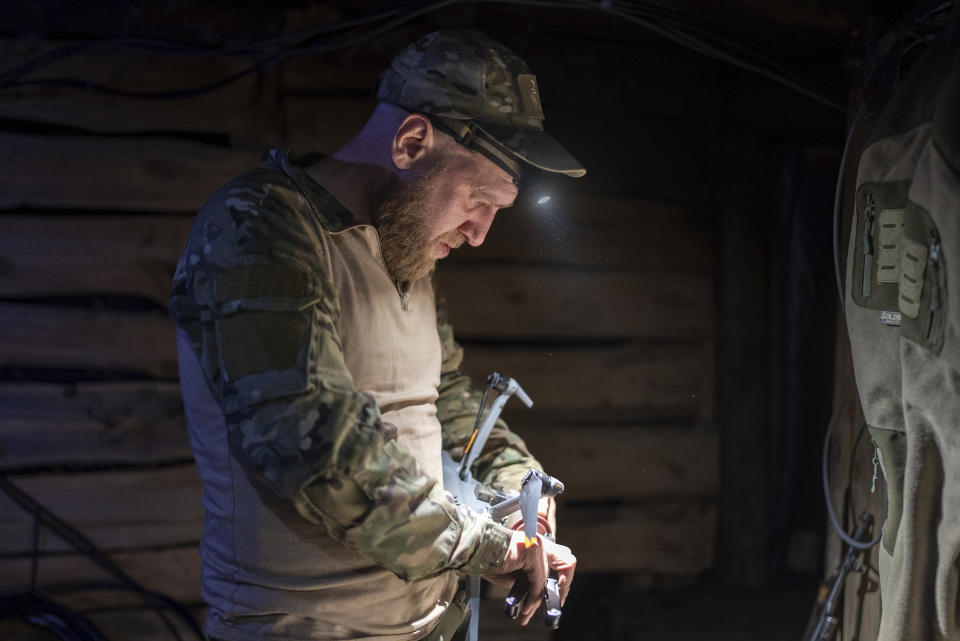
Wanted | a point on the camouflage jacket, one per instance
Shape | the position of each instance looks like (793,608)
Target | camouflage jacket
(249,281)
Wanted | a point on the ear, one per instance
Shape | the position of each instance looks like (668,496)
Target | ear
(412,141)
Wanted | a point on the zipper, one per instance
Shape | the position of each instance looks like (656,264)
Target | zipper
(933,265)
(877,463)
(870,213)
(404,301)
(284,162)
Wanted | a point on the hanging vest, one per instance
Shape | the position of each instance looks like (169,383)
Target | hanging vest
(903,316)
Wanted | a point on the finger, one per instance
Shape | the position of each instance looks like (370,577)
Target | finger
(564,581)
(499,579)
(565,567)
(534,596)
(537,576)
(560,557)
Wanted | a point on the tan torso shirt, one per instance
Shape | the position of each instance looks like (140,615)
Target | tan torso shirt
(317,587)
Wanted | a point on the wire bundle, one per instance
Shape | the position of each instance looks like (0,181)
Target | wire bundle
(66,623)
(692,33)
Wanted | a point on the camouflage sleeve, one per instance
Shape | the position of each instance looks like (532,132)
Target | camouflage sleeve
(505,458)
(252,293)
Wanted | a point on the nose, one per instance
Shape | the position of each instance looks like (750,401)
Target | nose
(476,227)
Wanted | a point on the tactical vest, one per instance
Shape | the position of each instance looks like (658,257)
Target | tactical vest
(903,316)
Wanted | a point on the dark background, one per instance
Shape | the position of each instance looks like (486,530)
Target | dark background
(673,314)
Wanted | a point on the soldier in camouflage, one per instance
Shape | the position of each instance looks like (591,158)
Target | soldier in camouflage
(321,379)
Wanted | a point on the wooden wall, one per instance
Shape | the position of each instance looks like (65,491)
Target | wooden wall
(602,306)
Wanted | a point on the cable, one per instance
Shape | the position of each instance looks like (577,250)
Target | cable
(161,95)
(78,541)
(841,293)
(701,29)
(94,465)
(673,25)
(709,50)
(849,540)
(149,44)
(837,205)
(852,510)
(67,624)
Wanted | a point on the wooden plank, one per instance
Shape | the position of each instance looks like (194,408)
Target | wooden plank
(174,571)
(656,379)
(646,156)
(323,124)
(576,73)
(204,25)
(245,111)
(96,254)
(55,337)
(134,420)
(625,463)
(352,72)
(126,509)
(652,379)
(117,509)
(669,537)
(137,254)
(501,302)
(124,422)
(141,173)
(647,379)
(143,420)
(585,230)
(522,301)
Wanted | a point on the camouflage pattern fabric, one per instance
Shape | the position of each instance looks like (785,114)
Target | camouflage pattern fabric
(463,75)
(251,293)
(903,317)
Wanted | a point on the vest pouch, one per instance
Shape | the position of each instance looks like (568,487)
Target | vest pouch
(879,229)
(923,287)
(872,313)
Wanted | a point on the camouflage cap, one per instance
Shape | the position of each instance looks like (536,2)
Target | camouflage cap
(480,92)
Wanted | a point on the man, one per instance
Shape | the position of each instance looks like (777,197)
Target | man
(320,381)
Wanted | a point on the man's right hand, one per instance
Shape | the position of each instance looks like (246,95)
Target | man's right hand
(534,561)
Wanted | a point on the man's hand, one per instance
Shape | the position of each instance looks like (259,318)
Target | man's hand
(533,562)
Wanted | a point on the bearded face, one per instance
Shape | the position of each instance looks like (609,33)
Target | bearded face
(404,223)
(451,199)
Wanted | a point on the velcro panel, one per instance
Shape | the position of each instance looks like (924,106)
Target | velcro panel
(912,265)
(258,342)
(262,281)
(889,232)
